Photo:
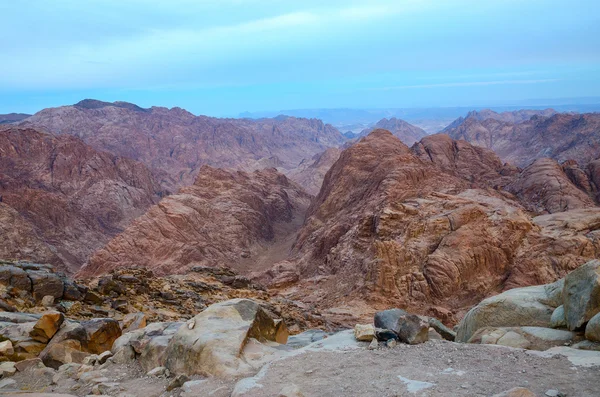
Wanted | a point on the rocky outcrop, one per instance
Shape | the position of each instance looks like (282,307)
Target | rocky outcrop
(561,137)
(224,219)
(545,187)
(395,226)
(71,198)
(524,317)
(409,134)
(175,144)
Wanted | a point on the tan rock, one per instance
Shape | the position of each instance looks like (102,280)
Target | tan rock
(364,332)
(215,346)
(6,348)
(28,364)
(45,328)
(133,321)
(581,294)
(516,392)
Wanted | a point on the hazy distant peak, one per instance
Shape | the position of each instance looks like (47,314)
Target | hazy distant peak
(96,104)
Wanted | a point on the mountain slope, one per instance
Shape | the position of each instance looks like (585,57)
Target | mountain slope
(391,227)
(235,219)
(76,198)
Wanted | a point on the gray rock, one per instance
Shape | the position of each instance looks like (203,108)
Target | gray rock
(581,294)
(412,329)
(15,277)
(306,338)
(592,329)
(529,306)
(441,329)
(558,318)
(8,383)
(388,319)
(587,345)
(44,283)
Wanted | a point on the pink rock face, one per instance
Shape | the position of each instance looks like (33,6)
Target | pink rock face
(561,137)
(544,187)
(425,230)
(235,219)
(70,199)
(175,144)
(409,134)
(310,174)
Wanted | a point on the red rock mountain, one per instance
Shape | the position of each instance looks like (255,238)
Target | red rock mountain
(62,200)
(175,144)
(242,220)
(561,137)
(393,226)
(407,133)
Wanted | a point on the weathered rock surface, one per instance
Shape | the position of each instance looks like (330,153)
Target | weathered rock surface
(581,294)
(198,225)
(530,306)
(213,342)
(592,329)
(544,187)
(533,338)
(310,173)
(175,144)
(71,198)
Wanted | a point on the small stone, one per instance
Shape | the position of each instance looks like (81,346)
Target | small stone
(373,345)
(158,371)
(7,368)
(290,391)
(391,343)
(516,392)
(553,393)
(90,360)
(385,334)
(24,365)
(104,356)
(6,348)
(364,332)
(191,324)
(177,382)
(48,301)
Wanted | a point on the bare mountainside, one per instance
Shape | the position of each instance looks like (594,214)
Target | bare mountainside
(515,116)
(12,117)
(406,132)
(243,220)
(175,144)
(562,137)
(62,199)
(393,226)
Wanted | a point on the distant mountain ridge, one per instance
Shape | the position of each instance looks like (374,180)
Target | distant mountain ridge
(408,133)
(12,117)
(174,143)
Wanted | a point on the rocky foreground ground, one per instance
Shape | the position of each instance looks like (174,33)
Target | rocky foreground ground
(534,341)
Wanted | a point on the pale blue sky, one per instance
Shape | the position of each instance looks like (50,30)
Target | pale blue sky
(223,57)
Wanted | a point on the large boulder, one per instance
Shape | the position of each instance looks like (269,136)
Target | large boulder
(528,306)
(15,277)
(387,319)
(148,344)
(412,329)
(100,334)
(46,284)
(592,329)
(532,338)
(212,343)
(581,294)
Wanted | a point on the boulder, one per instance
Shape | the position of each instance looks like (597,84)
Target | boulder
(533,338)
(592,329)
(7,368)
(587,345)
(100,334)
(364,332)
(528,306)
(558,318)
(63,352)
(441,329)
(45,283)
(581,294)
(15,277)
(133,321)
(388,319)
(45,328)
(212,343)
(412,329)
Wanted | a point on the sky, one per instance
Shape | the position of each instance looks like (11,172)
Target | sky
(223,57)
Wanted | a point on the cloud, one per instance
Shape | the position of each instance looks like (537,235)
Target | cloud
(468,84)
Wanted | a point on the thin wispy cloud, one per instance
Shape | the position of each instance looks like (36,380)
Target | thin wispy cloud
(468,84)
